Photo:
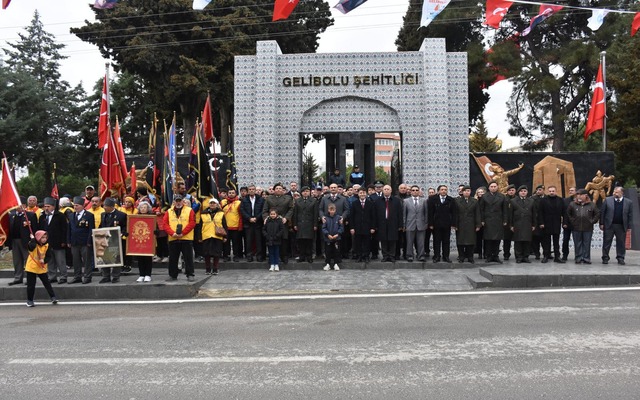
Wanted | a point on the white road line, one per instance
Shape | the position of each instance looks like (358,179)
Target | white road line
(335,296)
(168,360)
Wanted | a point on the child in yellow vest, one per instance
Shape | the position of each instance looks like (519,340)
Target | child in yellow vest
(36,266)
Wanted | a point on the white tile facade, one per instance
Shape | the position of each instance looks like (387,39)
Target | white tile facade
(422,94)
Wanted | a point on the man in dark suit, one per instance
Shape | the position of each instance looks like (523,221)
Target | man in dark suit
(251,210)
(21,223)
(56,225)
(551,210)
(388,223)
(442,218)
(81,223)
(362,220)
(615,219)
(113,218)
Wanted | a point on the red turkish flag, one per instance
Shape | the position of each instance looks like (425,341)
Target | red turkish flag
(283,8)
(9,199)
(597,112)
(207,122)
(110,173)
(103,123)
(635,24)
(495,11)
(120,151)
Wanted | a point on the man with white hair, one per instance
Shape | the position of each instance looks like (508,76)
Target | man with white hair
(32,206)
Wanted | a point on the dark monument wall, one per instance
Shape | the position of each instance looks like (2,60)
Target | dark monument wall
(585,165)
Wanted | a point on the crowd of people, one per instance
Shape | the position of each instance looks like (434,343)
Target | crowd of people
(334,222)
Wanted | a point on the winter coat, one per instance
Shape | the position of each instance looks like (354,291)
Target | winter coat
(387,227)
(283,205)
(523,218)
(332,226)
(305,215)
(583,216)
(273,231)
(550,213)
(468,219)
(494,215)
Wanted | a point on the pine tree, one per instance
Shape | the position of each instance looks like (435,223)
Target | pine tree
(47,107)
(480,142)
(180,53)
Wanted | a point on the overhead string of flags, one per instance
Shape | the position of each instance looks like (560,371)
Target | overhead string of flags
(496,10)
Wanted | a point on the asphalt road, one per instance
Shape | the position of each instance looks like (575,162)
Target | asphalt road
(497,346)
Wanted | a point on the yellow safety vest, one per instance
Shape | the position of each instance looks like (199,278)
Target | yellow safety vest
(183,219)
(33,260)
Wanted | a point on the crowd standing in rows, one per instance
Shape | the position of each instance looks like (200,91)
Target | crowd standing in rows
(336,222)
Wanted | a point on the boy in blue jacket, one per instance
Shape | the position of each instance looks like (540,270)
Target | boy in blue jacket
(332,231)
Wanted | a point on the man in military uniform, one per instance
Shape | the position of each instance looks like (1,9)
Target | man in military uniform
(493,213)
(468,223)
(305,216)
(523,222)
(508,235)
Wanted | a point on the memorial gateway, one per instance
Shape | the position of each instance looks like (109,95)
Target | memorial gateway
(348,97)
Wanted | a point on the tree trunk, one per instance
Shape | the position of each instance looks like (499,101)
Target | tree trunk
(189,110)
(46,170)
(225,127)
(558,116)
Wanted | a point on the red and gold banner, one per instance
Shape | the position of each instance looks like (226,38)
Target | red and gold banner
(142,239)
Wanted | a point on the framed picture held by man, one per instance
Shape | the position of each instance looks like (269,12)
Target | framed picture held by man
(142,238)
(107,247)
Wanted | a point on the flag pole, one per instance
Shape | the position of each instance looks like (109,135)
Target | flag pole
(603,57)
(106,74)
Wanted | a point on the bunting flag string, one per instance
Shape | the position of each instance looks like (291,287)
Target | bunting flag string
(496,10)
(5,4)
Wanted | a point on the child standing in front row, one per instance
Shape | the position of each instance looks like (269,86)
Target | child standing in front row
(273,230)
(332,231)
(36,266)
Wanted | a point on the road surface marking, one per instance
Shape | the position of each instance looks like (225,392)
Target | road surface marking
(169,360)
(335,296)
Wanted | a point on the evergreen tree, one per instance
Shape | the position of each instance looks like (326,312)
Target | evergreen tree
(460,25)
(480,142)
(309,168)
(44,105)
(623,93)
(180,53)
(560,61)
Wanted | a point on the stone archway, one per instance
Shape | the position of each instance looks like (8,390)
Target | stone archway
(354,122)
(423,94)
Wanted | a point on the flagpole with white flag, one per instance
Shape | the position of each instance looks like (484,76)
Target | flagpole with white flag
(603,57)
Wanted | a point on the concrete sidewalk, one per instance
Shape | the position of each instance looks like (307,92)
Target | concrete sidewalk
(244,278)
